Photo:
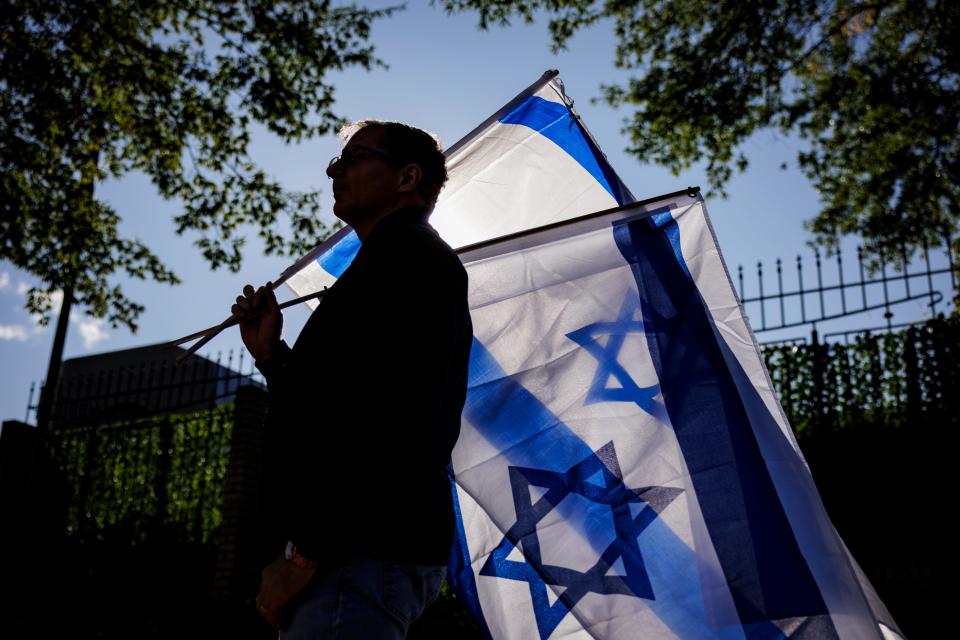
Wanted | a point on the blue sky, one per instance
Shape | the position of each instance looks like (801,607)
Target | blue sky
(445,76)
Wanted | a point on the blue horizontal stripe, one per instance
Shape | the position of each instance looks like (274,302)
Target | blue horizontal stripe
(341,255)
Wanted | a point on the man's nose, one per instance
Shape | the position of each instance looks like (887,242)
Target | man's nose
(334,168)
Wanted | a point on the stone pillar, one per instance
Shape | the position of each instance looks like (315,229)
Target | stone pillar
(33,503)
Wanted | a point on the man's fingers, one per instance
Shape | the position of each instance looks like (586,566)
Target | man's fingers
(248,290)
(258,298)
(242,307)
(272,297)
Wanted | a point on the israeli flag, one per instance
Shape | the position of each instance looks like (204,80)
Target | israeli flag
(624,469)
(531,163)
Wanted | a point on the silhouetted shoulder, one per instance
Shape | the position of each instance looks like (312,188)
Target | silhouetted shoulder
(418,248)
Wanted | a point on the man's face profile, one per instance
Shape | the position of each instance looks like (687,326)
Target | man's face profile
(365,182)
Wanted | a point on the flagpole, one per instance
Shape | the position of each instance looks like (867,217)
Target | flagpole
(692,192)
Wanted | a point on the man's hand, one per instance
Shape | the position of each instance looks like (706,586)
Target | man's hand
(280,582)
(260,320)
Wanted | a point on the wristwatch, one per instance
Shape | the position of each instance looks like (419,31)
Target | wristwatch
(291,554)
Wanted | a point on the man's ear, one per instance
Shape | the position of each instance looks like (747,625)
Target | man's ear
(410,176)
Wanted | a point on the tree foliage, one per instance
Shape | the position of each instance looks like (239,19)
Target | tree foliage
(871,87)
(95,89)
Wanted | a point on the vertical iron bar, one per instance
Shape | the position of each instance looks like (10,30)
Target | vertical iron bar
(98,396)
(863,282)
(168,380)
(209,382)
(87,393)
(109,394)
(933,299)
(123,380)
(763,315)
(906,271)
(823,313)
(193,382)
(26,416)
(216,391)
(139,387)
(953,275)
(151,386)
(843,290)
(886,296)
(229,386)
(240,369)
(803,308)
(783,319)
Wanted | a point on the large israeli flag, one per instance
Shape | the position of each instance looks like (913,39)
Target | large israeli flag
(624,469)
(531,163)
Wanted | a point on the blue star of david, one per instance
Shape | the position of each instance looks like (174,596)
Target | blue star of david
(598,479)
(607,364)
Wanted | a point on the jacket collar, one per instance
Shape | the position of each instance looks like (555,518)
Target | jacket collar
(400,217)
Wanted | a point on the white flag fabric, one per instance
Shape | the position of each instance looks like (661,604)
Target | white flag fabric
(531,163)
(624,469)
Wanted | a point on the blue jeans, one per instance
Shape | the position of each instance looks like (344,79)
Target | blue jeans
(366,599)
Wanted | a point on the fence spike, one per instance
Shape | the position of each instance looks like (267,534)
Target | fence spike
(863,282)
(953,269)
(843,290)
(763,312)
(26,417)
(823,310)
(783,318)
(926,259)
(886,295)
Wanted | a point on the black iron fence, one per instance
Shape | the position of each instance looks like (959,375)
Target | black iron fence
(92,392)
(930,278)
(158,473)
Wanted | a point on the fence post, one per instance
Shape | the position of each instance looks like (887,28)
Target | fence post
(164,463)
(87,479)
(237,538)
(817,371)
(911,366)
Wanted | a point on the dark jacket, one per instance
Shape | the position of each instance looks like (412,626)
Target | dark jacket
(365,409)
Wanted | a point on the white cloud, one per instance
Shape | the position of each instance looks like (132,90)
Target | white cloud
(92,330)
(22,288)
(13,332)
(4,279)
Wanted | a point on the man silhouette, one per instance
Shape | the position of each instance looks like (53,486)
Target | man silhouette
(365,408)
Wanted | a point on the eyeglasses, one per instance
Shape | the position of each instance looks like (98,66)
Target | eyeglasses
(356,153)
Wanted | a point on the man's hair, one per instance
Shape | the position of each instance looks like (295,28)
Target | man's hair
(407,144)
